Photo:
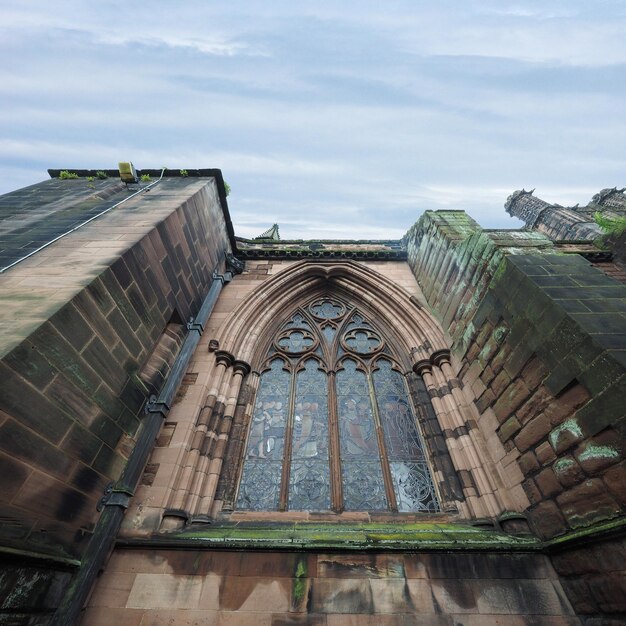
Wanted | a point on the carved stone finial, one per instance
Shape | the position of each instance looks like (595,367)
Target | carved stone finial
(610,197)
(214,345)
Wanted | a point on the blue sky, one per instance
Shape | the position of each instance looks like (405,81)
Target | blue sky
(334,119)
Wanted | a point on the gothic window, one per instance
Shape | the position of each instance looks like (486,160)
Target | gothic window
(333,426)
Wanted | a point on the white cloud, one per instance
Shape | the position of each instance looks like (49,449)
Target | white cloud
(323,117)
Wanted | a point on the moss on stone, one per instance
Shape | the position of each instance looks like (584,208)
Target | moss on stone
(370,536)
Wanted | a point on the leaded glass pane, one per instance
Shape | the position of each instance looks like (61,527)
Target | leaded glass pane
(327,310)
(363,486)
(412,481)
(309,482)
(260,483)
(298,321)
(296,341)
(329,334)
(362,341)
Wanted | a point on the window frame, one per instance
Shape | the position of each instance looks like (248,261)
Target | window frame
(331,363)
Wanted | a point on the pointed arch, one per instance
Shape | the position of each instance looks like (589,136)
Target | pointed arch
(246,331)
(318,442)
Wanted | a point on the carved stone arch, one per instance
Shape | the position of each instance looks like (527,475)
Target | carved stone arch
(410,331)
(390,307)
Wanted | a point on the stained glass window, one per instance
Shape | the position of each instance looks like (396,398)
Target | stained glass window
(363,487)
(346,396)
(412,484)
(260,483)
(309,480)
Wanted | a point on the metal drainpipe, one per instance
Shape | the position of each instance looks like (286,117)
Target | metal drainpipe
(91,219)
(116,499)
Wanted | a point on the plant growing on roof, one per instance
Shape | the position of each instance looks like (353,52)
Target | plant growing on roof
(145,178)
(611,226)
(227,188)
(184,173)
(101,175)
(66,175)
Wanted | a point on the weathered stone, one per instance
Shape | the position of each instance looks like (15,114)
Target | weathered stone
(568,471)
(528,463)
(547,482)
(548,520)
(499,383)
(545,453)
(534,405)
(565,435)
(511,398)
(615,480)
(600,452)
(509,428)
(533,494)
(587,503)
(533,432)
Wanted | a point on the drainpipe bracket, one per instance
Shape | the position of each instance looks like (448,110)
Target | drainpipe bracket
(220,277)
(192,325)
(114,497)
(153,405)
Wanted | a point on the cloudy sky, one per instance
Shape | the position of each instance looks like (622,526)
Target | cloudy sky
(334,119)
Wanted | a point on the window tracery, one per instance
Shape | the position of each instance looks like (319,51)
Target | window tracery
(333,427)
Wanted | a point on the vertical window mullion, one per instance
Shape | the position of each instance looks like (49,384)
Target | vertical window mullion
(335,455)
(391,496)
(284,483)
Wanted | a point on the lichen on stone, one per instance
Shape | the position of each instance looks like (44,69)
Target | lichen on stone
(568,426)
(593,451)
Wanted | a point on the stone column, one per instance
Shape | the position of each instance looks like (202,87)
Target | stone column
(478,491)
(175,513)
(213,451)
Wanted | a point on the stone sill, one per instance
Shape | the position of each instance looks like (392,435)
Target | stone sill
(360,537)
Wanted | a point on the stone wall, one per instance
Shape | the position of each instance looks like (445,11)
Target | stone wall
(168,482)
(90,342)
(593,577)
(540,341)
(288,588)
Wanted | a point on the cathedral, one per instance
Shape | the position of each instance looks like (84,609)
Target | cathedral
(198,428)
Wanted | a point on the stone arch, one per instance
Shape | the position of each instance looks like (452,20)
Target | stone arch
(414,330)
(418,341)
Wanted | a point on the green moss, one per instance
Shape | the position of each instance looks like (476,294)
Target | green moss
(67,175)
(562,465)
(372,536)
(299,585)
(590,531)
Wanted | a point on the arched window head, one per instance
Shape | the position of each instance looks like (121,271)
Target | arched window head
(333,425)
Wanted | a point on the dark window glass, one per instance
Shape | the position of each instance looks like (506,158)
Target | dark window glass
(412,483)
(363,486)
(260,483)
(381,462)
(309,480)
